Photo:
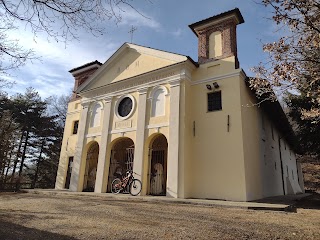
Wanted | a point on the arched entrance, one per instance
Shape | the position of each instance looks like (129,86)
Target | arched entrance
(121,160)
(91,168)
(158,165)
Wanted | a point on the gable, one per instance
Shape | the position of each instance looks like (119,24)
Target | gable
(129,61)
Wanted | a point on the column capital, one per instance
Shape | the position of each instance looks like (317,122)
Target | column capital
(108,99)
(185,74)
(142,90)
(85,104)
(175,82)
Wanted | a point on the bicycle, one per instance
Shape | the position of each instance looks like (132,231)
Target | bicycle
(134,185)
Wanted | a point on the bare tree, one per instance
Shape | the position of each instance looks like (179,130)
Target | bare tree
(294,60)
(58,19)
(58,105)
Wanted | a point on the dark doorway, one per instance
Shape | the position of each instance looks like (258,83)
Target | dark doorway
(69,171)
(91,168)
(158,166)
(121,160)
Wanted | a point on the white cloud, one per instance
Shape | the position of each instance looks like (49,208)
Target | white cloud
(138,19)
(49,74)
(177,33)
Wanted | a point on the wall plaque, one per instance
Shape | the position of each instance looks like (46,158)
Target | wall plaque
(123,124)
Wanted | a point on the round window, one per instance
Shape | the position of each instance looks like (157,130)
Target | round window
(125,107)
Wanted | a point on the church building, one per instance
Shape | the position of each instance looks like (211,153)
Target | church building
(187,129)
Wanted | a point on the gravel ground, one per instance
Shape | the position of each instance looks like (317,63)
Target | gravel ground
(37,216)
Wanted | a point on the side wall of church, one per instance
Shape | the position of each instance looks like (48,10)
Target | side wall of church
(266,173)
(217,166)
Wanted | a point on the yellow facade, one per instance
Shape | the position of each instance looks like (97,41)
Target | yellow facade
(173,143)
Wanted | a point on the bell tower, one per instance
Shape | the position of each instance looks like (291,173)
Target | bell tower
(218,36)
(82,74)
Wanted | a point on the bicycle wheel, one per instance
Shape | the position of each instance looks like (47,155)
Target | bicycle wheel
(135,187)
(116,186)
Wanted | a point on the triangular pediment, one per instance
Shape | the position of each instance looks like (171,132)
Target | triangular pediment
(128,61)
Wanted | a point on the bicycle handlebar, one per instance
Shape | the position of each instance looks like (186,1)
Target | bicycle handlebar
(131,172)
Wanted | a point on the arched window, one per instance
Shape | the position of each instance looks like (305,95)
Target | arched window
(96,115)
(158,102)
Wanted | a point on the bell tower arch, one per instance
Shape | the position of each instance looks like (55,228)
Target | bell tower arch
(218,36)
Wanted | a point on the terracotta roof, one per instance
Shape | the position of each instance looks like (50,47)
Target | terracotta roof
(85,65)
(221,15)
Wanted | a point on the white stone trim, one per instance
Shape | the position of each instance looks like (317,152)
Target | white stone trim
(91,117)
(143,90)
(175,82)
(165,89)
(158,53)
(179,59)
(131,84)
(107,99)
(117,105)
(93,135)
(151,126)
(73,112)
(122,130)
(216,78)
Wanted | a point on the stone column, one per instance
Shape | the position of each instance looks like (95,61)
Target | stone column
(102,170)
(140,134)
(75,185)
(173,141)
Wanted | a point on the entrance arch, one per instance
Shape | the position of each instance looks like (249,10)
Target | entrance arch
(158,165)
(121,160)
(91,168)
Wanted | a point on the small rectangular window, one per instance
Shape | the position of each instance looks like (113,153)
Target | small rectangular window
(272,133)
(275,165)
(214,101)
(292,175)
(69,171)
(70,163)
(75,127)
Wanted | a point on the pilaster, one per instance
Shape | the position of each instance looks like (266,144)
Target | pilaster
(102,169)
(75,185)
(140,134)
(173,141)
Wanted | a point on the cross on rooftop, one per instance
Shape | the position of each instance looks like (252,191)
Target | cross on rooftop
(133,29)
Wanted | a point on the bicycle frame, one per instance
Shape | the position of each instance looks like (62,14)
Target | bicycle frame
(125,181)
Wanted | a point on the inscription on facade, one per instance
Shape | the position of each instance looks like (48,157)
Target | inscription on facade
(123,124)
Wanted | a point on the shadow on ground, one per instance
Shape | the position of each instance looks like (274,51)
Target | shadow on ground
(12,231)
(305,201)
(310,202)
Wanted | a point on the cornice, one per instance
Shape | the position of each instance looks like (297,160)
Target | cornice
(235,74)
(132,84)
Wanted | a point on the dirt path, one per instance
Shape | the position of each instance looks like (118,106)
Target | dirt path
(35,216)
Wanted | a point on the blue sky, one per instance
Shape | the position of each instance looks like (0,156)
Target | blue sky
(166,28)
